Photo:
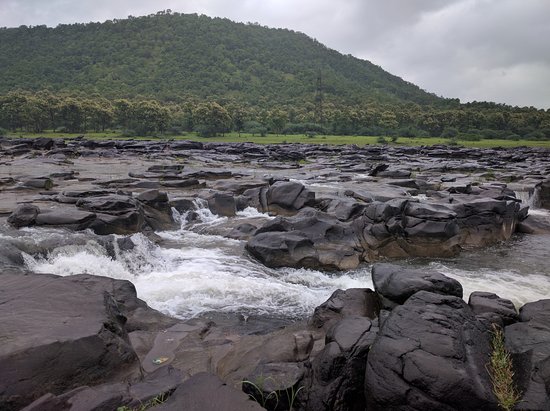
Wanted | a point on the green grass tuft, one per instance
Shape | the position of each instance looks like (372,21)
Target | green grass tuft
(159,399)
(501,371)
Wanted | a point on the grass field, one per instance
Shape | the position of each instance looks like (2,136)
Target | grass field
(319,139)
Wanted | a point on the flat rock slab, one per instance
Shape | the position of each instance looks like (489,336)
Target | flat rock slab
(206,392)
(57,332)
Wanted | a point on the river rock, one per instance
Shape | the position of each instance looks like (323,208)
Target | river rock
(206,392)
(310,239)
(24,215)
(222,204)
(276,385)
(242,231)
(544,194)
(361,302)
(289,195)
(293,344)
(431,354)
(61,332)
(344,209)
(68,217)
(109,204)
(45,183)
(395,284)
(528,342)
(152,390)
(166,168)
(534,224)
(498,310)
(157,210)
(121,223)
(336,376)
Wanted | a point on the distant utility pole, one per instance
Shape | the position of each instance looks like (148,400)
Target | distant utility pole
(319,100)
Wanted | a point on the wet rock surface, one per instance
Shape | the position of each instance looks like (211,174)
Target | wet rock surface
(430,355)
(88,343)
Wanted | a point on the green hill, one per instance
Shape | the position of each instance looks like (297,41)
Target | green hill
(171,56)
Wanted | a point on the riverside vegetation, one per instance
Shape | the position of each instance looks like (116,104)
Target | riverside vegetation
(170,73)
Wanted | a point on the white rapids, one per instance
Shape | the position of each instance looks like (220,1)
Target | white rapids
(192,273)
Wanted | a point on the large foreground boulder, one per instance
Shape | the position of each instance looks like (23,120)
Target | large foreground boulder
(431,354)
(58,333)
(336,376)
(529,343)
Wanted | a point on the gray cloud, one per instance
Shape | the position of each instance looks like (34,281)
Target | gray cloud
(494,50)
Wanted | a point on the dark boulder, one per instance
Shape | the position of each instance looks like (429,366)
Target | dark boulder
(62,332)
(345,303)
(222,204)
(43,143)
(109,204)
(336,376)
(288,195)
(157,210)
(310,239)
(497,310)
(24,215)
(344,209)
(395,284)
(242,231)
(121,223)
(69,217)
(431,354)
(528,342)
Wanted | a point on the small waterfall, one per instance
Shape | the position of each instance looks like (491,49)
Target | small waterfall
(529,197)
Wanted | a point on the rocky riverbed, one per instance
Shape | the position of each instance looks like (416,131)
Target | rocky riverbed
(270,265)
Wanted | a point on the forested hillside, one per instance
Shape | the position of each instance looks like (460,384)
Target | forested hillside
(169,56)
(173,73)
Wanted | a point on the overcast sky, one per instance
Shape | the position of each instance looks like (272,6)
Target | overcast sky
(494,50)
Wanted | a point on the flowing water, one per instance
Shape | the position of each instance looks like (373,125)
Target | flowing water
(192,273)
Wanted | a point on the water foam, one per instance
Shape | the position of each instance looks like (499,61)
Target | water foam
(201,273)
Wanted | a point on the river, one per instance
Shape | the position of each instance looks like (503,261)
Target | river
(195,273)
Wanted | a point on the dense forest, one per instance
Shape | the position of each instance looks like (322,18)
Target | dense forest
(171,72)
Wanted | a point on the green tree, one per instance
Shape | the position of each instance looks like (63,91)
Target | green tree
(277,120)
(148,116)
(72,115)
(211,119)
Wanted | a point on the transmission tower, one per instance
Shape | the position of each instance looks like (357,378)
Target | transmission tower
(319,117)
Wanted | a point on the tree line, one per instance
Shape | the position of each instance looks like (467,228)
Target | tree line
(45,110)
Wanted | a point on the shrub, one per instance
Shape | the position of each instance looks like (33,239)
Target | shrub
(449,132)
